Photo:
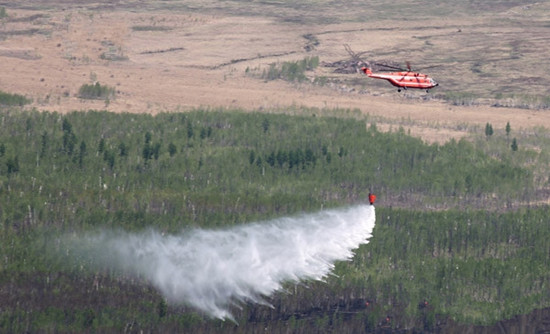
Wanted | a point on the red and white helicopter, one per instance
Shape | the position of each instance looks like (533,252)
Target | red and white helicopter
(403,79)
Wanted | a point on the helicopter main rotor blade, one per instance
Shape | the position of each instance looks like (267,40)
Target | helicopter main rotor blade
(389,66)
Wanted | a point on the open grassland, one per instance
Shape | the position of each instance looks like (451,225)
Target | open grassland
(165,55)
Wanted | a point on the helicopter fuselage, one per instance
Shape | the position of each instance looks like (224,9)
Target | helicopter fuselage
(405,79)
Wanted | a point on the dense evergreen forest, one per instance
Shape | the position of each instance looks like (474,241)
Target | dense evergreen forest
(459,233)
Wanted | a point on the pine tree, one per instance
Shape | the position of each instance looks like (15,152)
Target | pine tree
(488,130)
(13,165)
(81,154)
(514,145)
(123,150)
(172,149)
(69,138)
(101,146)
(190,132)
(44,145)
(109,157)
(265,125)
(162,308)
(156,151)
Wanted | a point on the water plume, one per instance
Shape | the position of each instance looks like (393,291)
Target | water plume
(211,270)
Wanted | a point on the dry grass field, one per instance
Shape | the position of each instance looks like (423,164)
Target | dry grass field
(178,55)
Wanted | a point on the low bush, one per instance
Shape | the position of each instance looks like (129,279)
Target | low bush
(96,92)
(7,99)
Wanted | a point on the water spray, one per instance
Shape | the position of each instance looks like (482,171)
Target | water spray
(211,270)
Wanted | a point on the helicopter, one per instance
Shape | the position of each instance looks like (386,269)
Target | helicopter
(403,79)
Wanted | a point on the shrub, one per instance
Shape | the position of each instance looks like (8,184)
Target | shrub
(291,71)
(96,92)
(461,98)
(151,28)
(8,99)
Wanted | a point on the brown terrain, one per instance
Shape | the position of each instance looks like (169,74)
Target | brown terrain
(161,58)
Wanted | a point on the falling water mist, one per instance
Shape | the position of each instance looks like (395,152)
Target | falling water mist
(211,270)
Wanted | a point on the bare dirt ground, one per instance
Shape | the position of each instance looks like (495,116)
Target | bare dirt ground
(169,60)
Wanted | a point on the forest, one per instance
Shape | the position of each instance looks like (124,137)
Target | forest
(461,233)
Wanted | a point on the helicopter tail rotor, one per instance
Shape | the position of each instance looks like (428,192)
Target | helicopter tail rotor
(366,70)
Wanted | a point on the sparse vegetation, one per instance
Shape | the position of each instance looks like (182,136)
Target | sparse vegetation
(7,99)
(96,92)
(114,53)
(524,101)
(24,32)
(312,42)
(151,28)
(293,71)
(461,98)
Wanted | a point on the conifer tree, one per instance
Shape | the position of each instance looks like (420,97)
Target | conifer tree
(488,130)
(81,154)
(514,145)
(172,149)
